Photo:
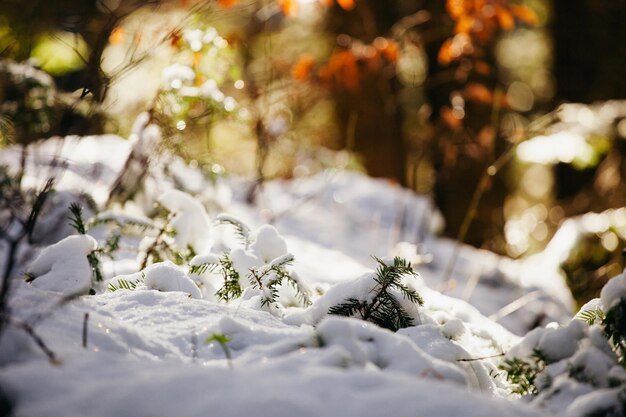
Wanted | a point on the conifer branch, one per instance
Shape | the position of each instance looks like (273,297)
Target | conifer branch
(384,309)
(242,230)
(78,223)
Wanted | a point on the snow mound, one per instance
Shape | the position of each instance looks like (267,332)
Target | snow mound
(63,267)
(190,221)
(166,276)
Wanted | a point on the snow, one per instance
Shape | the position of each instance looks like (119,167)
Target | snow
(63,266)
(190,220)
(268,244)
(146,350)
(613,292)
(166,276)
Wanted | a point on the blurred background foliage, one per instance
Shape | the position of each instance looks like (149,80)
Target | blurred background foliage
(462,100)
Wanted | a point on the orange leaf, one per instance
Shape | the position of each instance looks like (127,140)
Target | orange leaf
(117,36)
(525,14)
(227,3)
(458,8)
(326,3)
(289,7)
(478,93)
(478,5)
(389,49)
(448,117)
(343,70)
(464,24)
(197,57)
(486,33)
(482,68)
(445,53)
(301,71)
(486,137)
(346,4)
(176,39)
(505,18)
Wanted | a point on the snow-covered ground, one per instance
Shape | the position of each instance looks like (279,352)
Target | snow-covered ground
(241,326)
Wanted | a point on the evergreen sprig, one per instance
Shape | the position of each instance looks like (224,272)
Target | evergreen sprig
(384,309)
(242,230)
(126,284)
(122,284)
(161,248)
(590,316)
(522,374)
(35,211)
(269,277)
(615,329)
(78,223)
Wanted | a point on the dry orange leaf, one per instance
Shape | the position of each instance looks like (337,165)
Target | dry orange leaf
(464,24)
(449,119)
(478,93)
(301,71)
(342,69)
(227,3)
(390,51)
(479,4)
(176,39)
(346,4)
(445,53)
(117,36)
(289,7)
(525,14)
(486,137)
(458,8)
(505,18)
(197,57)
(482,68)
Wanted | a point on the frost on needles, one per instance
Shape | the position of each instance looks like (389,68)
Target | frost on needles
(382,306)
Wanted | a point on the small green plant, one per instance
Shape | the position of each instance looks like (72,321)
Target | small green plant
(231,288)
(78,223)
(125,284)
(241,229)
(384,309)
(615,330)
(163,246)
(267,278)
(591,316)
(223,341)
(522,374)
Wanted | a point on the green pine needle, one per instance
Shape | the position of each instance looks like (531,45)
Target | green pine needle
(384,310)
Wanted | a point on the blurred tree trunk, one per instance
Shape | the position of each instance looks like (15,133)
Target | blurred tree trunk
(589,58)
(462,154)
(589,49)
(370,119)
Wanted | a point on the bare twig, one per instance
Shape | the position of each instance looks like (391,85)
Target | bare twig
(515,305)
(85,325)
(30,331)
(488,174)
(481,358)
